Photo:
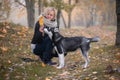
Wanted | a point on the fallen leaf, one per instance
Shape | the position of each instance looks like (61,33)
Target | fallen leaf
(13,35)
(47,78)
(4,30)
(97,47)
(24,29)
(2,36)
(106,59)
(43,65)
(112,78)
(4,49)
(90,75)
(17,77)
(95,78)
(87,78)
(118,55)
(9,61)
(64,73)
(116,61)
(19,33)
(36,75)
(94,72)
(8,27)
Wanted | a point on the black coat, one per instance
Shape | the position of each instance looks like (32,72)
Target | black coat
(37,37)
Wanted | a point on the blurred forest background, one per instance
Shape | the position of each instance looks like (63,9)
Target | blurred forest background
(70,13)
(87,18)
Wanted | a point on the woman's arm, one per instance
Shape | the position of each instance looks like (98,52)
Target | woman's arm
(37,37)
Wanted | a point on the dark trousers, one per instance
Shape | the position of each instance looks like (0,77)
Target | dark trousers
(44,50)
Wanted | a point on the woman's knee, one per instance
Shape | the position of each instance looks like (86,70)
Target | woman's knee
(36,49)
(33,47)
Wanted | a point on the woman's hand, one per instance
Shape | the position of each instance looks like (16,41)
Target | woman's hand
(41,29)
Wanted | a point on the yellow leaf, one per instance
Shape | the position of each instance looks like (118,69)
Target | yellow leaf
(24,29)
(41,21)
(8,27)
(116,61)
(117,55)
(4,49)
(2,36)
(9,61)
(64,73)
(112,78)
(24,35)
(94,72)
(87,78)
(4,30)
(13,35)
(18,33)
(43,65)
(101,50)
(47,78)
(21,34)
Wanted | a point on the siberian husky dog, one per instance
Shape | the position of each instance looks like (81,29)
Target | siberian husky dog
(66,44)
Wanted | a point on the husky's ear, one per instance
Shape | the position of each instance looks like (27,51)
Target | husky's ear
(56,30)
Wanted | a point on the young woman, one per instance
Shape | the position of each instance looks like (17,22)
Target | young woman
(41,44)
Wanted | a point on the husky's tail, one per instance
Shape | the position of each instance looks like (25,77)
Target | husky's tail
(94,39)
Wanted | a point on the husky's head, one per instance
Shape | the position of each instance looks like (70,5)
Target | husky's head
(50,31)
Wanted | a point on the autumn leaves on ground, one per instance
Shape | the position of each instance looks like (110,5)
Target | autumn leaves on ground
(18,63)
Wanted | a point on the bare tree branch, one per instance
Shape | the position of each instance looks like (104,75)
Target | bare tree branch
(20,3)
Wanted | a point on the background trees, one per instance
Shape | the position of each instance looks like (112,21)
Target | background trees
(15,39)
(4,9)
(118,23)
(74,12)
(69,12)
(30,8)
(96,12)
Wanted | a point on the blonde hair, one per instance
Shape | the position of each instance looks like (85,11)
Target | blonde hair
(48,10)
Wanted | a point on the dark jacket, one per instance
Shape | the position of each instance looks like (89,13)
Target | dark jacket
(37,37)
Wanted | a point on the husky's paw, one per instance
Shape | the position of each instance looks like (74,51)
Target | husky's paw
(84,66)
(60,67)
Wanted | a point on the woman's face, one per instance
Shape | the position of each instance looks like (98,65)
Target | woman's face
(50,15)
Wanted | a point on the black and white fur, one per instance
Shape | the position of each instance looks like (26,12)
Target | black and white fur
(67,44)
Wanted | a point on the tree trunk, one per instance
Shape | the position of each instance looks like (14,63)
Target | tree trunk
(58,17)
(92,15)
(63,20)
(69,16)
(69,20)
(40,8)
(30,12)
(117,43)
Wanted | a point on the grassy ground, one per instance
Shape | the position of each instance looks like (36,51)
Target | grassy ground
(18,62)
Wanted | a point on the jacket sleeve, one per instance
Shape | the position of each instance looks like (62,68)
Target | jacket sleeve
(37,37)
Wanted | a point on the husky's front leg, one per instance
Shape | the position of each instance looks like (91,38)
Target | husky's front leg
(61,61)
